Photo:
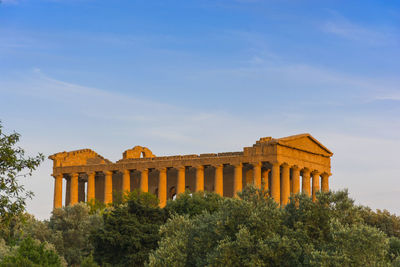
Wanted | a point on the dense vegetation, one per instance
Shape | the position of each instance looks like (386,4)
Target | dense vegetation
(196,229)
(204,229)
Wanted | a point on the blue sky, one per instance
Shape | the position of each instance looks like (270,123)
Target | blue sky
(206,76)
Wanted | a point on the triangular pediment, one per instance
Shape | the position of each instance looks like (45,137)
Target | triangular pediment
(305,142)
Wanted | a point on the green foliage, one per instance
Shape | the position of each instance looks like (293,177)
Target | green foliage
(70,229)
(383,220)
(89,262)
(95,206)
(254,231)
(142,198)
(31,253)
(194,203)
(394,248)
(130,231)
(13,164)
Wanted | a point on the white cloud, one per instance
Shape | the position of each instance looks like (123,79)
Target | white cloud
(8,1)
(394,96)
(352,31)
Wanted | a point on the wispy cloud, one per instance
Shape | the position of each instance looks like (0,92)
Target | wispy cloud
(393,96)
(111,122)
(156,121)
(362,33)
(8,2)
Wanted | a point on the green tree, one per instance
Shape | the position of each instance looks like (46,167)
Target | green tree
(383,220)
(70,228)
(192,204)
(13,164)
(130,231)
(32,253)
(254,231)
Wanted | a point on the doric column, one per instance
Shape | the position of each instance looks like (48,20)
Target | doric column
(199,178)
(325,182)
(265,179)
(162,187)
(296,179)
(57,202)
(257,174)
(74,189)
(237,179)
(219,180)
(305,185)
(315,184)
(108,187)
(276,183)
(285,184)
(126,181)
(180,187)
(144,180)
(91,186)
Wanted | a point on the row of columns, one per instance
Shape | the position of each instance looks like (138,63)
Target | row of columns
(284,181)
(280,182)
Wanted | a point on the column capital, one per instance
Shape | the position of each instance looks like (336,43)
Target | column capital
(285,165)
(126,171)
(295,168)
(108,172)
(325,174)
(91,173)
(276,163)
(306,170)
(162,169)
(315,172)
(218,165)
(74,174)
(199,167)
(256,163)
(238,164)
(180,167)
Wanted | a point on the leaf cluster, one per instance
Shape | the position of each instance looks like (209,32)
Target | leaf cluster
(13,164)
(130,231)
(254,231)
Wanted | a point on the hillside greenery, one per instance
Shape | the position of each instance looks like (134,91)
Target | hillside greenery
(204,229)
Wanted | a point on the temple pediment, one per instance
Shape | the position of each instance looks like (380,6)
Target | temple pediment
(77,158)
(305,142)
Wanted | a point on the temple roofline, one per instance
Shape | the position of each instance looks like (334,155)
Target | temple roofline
(298,136)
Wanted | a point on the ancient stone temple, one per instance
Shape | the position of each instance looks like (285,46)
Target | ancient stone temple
(280,165)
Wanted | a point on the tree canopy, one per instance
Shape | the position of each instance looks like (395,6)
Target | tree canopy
(13,164)
(130,231)
(254,231)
